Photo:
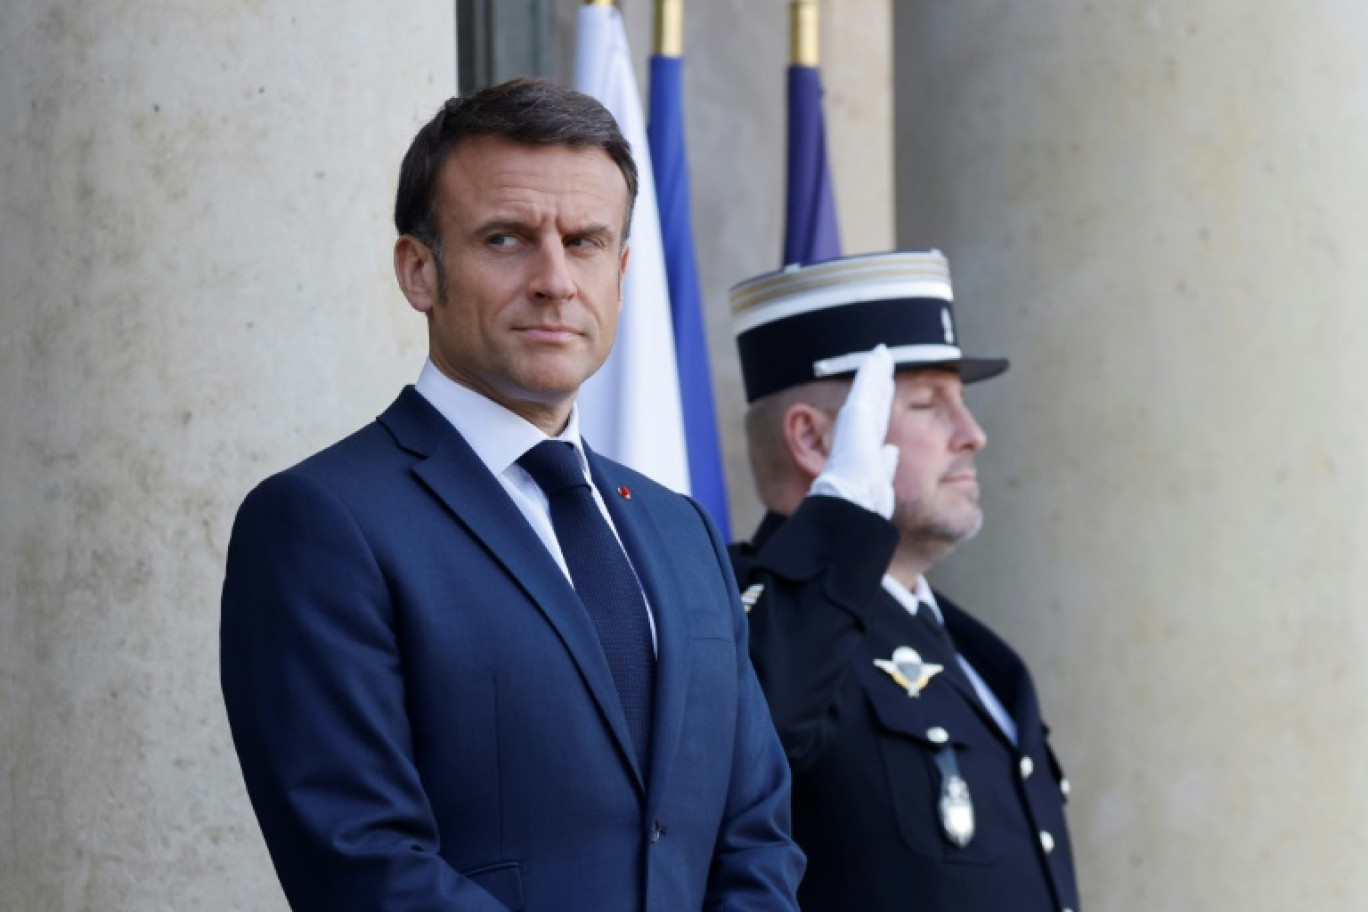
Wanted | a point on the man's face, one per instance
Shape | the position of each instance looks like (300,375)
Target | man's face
(935,488)
(533,257)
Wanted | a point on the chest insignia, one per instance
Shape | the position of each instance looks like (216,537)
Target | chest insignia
(957,811)
(908,671)
(751,596)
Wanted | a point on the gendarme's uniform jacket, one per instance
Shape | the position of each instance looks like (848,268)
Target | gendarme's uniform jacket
(868,760)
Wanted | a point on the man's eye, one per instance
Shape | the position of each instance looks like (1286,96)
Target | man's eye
(501,240)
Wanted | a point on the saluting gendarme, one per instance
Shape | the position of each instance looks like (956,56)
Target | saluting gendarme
(923,780)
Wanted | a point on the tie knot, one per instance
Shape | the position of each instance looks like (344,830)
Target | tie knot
(554,466)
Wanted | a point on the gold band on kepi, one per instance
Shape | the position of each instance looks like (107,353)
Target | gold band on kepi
(804,323)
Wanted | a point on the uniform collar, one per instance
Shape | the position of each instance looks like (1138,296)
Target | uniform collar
(913,599)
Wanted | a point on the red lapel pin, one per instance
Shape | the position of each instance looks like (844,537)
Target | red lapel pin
(625,492)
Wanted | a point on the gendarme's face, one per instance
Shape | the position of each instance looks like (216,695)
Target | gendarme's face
(935,489)
(533,255)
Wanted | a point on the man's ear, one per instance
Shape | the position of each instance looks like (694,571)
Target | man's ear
(416,269)
(807,434)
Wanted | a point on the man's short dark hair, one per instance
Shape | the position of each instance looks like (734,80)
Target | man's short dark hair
(532,112)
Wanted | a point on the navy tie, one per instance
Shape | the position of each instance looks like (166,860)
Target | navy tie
(946,652)
(604,580)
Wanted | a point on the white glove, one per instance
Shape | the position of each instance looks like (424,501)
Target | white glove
(860,467)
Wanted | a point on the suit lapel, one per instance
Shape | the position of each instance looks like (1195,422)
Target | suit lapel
(647,545)
(452,472)
(1000,667)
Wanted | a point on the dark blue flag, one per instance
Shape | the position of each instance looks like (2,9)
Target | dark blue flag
(811,233)
(665,133)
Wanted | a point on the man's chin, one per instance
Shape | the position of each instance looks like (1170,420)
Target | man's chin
(953,532)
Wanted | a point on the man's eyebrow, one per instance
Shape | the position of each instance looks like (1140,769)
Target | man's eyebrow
(596,229)
(500,224)
(517,226)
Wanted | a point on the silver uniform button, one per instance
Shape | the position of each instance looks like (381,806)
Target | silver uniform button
(937,735)
(1064,789)
(1027,767)
(1046,841)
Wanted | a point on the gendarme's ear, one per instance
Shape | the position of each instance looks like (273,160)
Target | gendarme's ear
(807,434)
(416,269)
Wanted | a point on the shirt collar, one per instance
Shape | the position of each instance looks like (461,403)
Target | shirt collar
(498,436)
(913,599)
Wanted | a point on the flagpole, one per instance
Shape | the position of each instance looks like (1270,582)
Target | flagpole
(811,232)
(803,33)
(669,28)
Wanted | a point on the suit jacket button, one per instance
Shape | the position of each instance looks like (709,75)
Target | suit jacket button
(656,830)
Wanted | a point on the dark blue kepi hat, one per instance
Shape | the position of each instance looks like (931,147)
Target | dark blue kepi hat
(805,323)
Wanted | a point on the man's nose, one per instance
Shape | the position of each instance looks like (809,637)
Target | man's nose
(969,435)
(550,277)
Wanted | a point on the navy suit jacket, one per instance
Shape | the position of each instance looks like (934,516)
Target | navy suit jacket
(425,718)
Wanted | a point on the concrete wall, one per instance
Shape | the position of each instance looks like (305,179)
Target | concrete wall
(195,290)
(1156,209)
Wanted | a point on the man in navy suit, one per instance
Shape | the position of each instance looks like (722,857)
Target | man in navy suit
(923,780)
(429,710)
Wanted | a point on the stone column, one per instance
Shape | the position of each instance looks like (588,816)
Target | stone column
(1156,210)
(195,291)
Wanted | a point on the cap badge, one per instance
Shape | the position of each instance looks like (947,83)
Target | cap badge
(949,326)
(908,671)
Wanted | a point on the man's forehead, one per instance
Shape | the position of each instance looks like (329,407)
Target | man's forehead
(492,170)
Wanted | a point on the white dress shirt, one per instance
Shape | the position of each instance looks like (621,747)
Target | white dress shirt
(911,601)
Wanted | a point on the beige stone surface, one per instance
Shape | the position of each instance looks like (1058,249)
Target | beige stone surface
(1154,209)
(857,74)
(195,290)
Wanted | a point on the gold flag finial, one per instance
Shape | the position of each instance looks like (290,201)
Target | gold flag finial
(803,33)
(669,28)
(598,2)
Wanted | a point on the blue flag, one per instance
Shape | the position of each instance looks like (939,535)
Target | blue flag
(811,233)
(665,133)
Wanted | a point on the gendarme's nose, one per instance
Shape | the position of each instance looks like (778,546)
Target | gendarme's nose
(968,433)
